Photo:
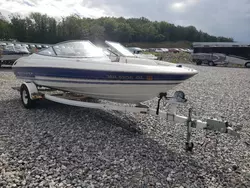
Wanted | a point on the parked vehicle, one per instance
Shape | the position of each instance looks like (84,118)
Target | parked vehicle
(221,53)
(10,53)
(45,46)
(2,44)
(174,50)
(38,46)
(138,52)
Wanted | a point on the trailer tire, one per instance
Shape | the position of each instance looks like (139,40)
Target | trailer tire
(189,146)
(25,97)
(211,63)
(247,65)
(198,62)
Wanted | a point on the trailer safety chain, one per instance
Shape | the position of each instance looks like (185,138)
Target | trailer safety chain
(161,95)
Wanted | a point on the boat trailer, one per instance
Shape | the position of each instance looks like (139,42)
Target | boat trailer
(30,93)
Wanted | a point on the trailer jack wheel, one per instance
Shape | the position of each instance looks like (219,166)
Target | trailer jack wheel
(25,97)
(211,63)
(189,146)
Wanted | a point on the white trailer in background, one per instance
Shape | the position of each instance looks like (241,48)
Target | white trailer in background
(221,53)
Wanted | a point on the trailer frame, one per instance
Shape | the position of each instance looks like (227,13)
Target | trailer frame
(30,93)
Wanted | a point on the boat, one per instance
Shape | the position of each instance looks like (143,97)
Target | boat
(79,66)
(10,53)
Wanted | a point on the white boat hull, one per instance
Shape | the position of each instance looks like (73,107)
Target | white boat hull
(124,93)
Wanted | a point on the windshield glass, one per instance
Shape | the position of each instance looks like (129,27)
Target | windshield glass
(49,51)
(119,48)
(78,49)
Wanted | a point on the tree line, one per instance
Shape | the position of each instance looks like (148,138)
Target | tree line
(40,28)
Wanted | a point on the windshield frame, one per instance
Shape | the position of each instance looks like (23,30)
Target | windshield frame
(119,49)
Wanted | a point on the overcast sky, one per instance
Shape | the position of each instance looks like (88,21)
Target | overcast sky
(229,18)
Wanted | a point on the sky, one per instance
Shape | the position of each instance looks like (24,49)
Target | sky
(228,18)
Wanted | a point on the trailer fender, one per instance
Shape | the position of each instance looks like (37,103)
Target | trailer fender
(32,89)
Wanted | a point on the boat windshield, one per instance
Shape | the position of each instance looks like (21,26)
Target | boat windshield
(74,49)
(117,47)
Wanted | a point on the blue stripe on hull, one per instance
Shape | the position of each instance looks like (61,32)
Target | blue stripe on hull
(108,83)
(94,75)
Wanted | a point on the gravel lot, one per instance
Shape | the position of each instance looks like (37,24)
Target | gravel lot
(56,145)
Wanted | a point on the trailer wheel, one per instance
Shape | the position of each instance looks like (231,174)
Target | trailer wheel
(25,97)
(189,146)
(198,62)
(211,63)
(247,65)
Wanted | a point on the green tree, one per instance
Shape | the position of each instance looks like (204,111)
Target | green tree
(96,33)
(5,28)
(44,29)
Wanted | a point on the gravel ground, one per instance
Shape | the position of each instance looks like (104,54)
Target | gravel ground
(56,145)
